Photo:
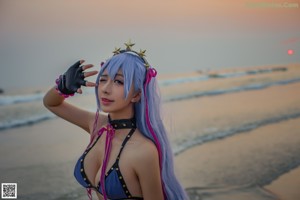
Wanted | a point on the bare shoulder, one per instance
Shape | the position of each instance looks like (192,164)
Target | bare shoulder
(144,144)
(147,169)
(144,150)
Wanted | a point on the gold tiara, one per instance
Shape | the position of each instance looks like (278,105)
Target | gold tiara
(128,48)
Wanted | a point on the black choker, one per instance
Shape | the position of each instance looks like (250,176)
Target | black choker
(122,123)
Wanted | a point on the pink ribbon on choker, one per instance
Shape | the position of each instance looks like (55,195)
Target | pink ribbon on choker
(89,193)
(110,133)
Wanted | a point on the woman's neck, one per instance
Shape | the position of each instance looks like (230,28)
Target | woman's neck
(125,114)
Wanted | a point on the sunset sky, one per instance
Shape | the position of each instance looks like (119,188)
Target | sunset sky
(40,39)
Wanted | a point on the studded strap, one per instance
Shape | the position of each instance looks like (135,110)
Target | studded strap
(116,164)
(122,123)
(124,143)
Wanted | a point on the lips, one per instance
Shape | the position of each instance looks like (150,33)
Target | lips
(106,101)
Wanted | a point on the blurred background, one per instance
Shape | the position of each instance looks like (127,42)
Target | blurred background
(229,73)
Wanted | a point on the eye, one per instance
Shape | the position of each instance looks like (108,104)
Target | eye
(102,80)
(118,82)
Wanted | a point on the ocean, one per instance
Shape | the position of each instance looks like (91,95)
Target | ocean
(28,109)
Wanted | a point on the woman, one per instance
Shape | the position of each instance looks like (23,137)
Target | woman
(129,155)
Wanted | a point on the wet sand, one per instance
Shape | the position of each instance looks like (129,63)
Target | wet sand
(239,167)
(287,186)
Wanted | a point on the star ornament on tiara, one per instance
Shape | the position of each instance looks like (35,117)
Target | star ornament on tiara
(128,48)
(129,45)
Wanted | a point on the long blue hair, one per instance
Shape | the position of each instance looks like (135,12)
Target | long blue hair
(147,114)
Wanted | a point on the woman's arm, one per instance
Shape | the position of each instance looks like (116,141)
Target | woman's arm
(56,104)
(148,172)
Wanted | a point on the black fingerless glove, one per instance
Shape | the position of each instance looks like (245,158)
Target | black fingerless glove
(71,80)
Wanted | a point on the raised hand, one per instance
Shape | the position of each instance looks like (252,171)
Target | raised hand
(72,80)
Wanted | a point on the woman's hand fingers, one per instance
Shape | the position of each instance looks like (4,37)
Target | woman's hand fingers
(81,61)
(79,91)
(90,84)
(87,84)
(91,73)
(87,74)
(84,67)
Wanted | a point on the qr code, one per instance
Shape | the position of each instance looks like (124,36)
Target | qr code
(9,191)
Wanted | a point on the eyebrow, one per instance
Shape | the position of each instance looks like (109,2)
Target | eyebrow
(106,75)
(120,75)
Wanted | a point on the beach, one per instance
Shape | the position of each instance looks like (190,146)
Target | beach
(235,135)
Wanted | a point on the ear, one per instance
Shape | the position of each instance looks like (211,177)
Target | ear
(136,97)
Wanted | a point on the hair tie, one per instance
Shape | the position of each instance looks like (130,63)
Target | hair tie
(151,73)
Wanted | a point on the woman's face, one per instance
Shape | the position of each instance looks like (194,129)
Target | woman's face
(111,94)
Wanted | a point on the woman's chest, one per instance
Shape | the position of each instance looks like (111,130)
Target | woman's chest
(118,160)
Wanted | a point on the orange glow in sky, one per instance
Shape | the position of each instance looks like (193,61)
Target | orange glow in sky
(190,15)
